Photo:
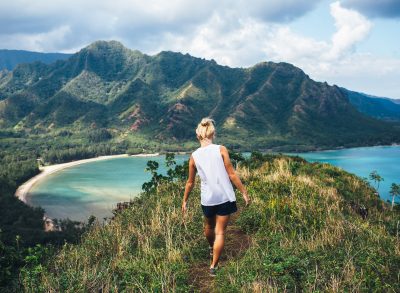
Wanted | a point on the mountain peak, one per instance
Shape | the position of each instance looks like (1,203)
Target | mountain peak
(106,45)
(176,90)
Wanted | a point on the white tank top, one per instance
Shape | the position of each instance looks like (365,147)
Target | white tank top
(216,187)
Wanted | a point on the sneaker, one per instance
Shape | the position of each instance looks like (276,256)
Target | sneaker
(213,271)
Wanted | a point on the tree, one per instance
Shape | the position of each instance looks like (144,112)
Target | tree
(374,176)
(394,191)
(152,167)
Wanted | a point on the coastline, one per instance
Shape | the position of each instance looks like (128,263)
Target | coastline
(313,149)
(23,190)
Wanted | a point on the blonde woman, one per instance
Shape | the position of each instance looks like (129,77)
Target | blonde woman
(218,199)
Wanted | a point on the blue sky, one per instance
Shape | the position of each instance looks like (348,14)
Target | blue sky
(351,43)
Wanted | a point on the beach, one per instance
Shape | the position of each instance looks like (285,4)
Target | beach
(23,190)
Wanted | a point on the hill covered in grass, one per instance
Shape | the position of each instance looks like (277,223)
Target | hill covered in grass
(302,232)
(161,98)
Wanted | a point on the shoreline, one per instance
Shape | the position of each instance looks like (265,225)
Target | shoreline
(317,149)
(341,148)
(23,190)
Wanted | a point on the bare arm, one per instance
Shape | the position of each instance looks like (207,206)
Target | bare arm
(232,174)
(189,183)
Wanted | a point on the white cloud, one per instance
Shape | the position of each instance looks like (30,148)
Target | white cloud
(47,41)
(248,41)
(234,47)
(102,18)
(352,28)
(233,32)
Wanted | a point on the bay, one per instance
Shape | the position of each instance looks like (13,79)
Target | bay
(95,188)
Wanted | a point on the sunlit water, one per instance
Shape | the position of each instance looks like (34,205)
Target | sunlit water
(95,188)
(362,161)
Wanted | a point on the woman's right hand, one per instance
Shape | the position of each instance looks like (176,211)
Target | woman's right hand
(246,198)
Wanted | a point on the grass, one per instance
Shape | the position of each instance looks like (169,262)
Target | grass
(305,236)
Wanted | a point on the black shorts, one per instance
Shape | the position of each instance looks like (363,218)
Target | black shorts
(222,209)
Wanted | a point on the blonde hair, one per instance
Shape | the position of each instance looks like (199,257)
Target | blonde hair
(205,129)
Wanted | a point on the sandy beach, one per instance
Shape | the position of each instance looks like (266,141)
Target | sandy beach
(23,190)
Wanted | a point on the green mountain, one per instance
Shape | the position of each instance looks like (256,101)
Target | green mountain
(163,97)
(9,59)
(380,108)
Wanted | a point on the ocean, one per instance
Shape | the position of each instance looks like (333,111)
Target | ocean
(94,188)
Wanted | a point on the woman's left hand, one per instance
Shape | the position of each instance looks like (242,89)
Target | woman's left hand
(184,207)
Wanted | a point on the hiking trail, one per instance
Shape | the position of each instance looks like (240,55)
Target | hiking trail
(236,243)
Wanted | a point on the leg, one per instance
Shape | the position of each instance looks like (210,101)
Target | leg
(220,227)
(209,227)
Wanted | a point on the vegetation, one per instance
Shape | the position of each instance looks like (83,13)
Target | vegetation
(305,230)
(394,191)
(312,226)
(108,94)
(22,226)
(374,176)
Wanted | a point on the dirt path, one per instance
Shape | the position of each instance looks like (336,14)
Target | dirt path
(236,243)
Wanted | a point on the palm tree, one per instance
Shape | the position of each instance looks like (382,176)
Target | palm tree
(394,191)
(374,176)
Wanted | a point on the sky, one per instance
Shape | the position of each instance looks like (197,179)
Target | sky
(350,43)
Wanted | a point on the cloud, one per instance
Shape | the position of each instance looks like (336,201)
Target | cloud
(51,40)
(366,73)
(351,27)
(375,8)
(91,20)
(338,61)
(232,32)
(248,39)
(136,22)
(277,11)
(244,42)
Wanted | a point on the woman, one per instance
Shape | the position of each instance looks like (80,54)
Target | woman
(218,199)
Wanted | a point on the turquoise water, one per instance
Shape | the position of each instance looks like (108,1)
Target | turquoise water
(95,188)
(362,161)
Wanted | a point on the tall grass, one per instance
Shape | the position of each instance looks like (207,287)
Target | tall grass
(305,237)
(145,248)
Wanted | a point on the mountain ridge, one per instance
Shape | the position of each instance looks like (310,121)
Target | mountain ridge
(377,107)
(9,59)
(165,95)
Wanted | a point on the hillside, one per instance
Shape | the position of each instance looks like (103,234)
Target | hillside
(161,98)
(380,108)
(9,59)
(304,231)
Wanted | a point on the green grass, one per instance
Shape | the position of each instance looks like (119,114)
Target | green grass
(304,237)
